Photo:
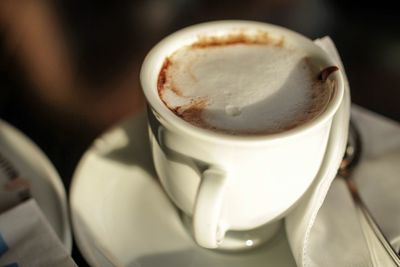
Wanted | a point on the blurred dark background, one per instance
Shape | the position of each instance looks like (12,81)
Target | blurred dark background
(69,69)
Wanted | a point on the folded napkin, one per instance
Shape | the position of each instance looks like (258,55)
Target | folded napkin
(327,229)
(378,175)
(300,221)
(27,239)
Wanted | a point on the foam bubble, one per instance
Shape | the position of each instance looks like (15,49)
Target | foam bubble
(232,110)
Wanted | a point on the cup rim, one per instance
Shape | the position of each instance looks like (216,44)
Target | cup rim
(155,59)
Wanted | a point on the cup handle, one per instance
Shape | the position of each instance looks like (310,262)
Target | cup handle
(208,231)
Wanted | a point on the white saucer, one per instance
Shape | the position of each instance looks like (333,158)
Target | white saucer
(46,186)
(121,216)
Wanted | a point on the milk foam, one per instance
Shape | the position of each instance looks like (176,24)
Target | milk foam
(242,88)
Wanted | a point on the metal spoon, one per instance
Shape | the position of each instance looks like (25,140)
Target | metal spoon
(349,162)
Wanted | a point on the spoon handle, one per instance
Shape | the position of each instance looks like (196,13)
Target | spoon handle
(372,223)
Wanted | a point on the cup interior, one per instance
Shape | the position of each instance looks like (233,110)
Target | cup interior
(156,57)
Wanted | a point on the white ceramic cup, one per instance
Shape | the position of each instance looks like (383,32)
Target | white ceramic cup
(226,182)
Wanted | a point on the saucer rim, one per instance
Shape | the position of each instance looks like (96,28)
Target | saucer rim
(80,239)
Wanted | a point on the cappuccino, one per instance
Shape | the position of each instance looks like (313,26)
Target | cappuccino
(243,85)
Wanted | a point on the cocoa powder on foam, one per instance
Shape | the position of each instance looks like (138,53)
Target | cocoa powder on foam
(192,112)
(261,38)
